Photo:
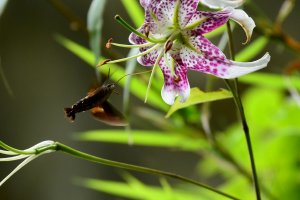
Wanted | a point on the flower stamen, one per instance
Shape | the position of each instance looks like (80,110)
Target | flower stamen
(168,45)
(108,44)
(152,73)
(108,61)
(132,45)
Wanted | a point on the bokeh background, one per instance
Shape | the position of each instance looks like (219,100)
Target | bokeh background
(44,78)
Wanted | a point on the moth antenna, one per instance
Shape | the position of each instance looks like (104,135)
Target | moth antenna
(132,74)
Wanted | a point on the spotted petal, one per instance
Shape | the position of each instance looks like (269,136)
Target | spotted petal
(209,59)
(216,4)
(186,11)
(204,57)
(175,81)
(150,58)
(211,20)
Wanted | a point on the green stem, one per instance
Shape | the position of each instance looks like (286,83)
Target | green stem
(239,105)
(230,40)
(79,154)
(66,149)
(17,151)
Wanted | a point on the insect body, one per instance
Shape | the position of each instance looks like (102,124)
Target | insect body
(97,102)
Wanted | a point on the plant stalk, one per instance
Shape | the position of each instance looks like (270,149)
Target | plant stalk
(239,105)
(66,149)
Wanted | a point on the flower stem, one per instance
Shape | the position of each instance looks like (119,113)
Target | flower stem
(56,146)
(17,151)
(79,154)
(239,105)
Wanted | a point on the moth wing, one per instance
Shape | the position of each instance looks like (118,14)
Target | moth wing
(108,114)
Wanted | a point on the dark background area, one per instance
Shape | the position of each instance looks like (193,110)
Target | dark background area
(45,78)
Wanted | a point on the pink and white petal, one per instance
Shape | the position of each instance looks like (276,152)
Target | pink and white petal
(150,58)
(135,39)
(246,22)
(213,20)
(201,63)
(217,4)
(174,84)
(182,82)
(186,11)
(168,92)
(145,3)
(208,49)
(160,10)
(237,69)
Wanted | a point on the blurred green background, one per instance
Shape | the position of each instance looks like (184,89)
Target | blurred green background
(44,78)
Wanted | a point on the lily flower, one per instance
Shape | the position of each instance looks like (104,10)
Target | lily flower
(216,4)
(172,37)
(28,155)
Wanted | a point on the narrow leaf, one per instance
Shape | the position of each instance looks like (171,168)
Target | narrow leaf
(125,190)
(94,25)
(134,10)
(197,96)
(146,138)
(275,81)
(252,50)
(130,67)
(3,4)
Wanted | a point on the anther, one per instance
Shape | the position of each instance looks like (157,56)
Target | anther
(108,44)
(168,45)
(103,62)
(177,79)
(147,30)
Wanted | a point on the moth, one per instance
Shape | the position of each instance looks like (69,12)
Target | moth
(97,102)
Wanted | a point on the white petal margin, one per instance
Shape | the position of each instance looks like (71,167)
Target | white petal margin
(185,94)
(238,69)
(168,95)
(216,4)
(246,22)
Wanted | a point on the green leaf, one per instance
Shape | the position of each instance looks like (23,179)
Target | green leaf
(146,138)
(3,4)
(94,25)
(275,81)
(138,87)
(134,11)
(130,67)
(126,190)
(253,49)
(197,96)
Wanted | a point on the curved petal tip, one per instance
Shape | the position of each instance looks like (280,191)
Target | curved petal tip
(168,95)
(246,22)
(237,69)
